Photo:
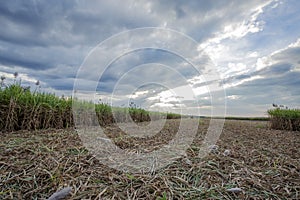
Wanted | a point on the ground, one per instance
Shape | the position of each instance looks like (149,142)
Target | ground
(264,163)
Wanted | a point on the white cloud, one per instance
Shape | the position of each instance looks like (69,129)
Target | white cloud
(234,84)
(233,97)
(234,68)
(23,77)
(253,55)
(263,62)
(292,45)
(241,28)
(137,94)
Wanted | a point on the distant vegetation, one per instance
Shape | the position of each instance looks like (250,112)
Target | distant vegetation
(285,119)
(23,109)
(248,118)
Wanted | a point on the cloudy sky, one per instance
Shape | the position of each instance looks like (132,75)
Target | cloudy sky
(201,55)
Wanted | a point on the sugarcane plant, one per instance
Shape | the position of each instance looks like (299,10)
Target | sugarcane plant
(284,118)
(24,109)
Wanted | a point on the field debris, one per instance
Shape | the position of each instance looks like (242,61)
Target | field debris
(187,161)
(263,163)
(61,194)
(213,148)
(226,152)
(234,190)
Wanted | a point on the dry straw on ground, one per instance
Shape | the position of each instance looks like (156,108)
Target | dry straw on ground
(263,163)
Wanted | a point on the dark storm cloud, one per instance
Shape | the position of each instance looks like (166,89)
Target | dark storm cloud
(39,35)
(17,17)
(133,66)
(34,35)
(33,23)
(62,84)
(12,60)
(80,23)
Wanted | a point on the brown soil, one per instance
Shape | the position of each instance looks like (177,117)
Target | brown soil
(264,163)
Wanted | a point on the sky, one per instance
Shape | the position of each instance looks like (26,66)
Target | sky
(191,57)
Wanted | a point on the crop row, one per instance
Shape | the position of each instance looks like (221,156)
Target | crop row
(285,119)
(22,109)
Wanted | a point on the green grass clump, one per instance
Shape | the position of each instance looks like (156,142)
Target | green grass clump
(173,116)
(285,119)
(285,113)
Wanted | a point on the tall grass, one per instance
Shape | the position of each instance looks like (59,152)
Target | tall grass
(22,109)
(285,119)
